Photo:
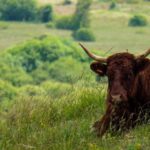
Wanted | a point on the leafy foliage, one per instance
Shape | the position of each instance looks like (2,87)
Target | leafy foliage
(66,70)
(113,5)
(67,2)
(81,15)
(138,20)
(64,22)
(79,19)
(46,13)
(7,91)
(18,10)
(50,25)
(84,34)
(39,60)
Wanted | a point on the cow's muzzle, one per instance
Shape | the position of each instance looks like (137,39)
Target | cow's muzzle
(118,99)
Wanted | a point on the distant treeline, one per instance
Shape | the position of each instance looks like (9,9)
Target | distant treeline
(23,10)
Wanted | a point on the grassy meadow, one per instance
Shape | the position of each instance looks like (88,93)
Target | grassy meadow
(109,26)
(49,98)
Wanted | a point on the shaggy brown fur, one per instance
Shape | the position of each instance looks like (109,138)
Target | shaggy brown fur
(128,98)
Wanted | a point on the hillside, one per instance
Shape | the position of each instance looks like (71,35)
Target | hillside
(49,97)
(110,28)
(44,107)
(41,60)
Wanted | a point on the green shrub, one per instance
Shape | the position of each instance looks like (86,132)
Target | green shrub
(138,20)
(46,13)
(7,91)
(56,89)
(79,19)
(67,2)
(50,25)
(12,70)
(64,22)
(81,15)
(83,34)
(66,70)
(31,90)
(113,5)
(18,10)
(33,61)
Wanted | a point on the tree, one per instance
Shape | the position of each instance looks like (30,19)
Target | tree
(81,15)
(46,13)
(17,10)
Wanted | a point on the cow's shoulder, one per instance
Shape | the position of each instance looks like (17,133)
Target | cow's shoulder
(145,71)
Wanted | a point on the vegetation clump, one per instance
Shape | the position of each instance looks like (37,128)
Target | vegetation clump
(79,22)
(64,22)
(18,10)
(79,19)
(138,20)
(21,10)
(84,34)
(113,5)
(67,2)
(50,25)
(81,15)
(40,60)
(46,13)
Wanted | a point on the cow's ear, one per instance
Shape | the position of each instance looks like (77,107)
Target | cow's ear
(99,68)
(141,63)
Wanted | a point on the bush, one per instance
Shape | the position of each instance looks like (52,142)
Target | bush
(81,15)
(50,25)
(31,90)
(56,89)
(46,13)
(57,70)
(67,2)
(79,19)
(64,22)
(138,20)
(18,10)
(83,34)
(34,61)
(112,5)
(7,91)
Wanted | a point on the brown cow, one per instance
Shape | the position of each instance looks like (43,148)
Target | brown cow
(128,98)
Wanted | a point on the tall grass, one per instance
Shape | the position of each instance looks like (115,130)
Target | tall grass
(63,123)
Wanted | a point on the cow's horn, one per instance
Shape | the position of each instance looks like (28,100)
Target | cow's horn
(95,57)
(144,54)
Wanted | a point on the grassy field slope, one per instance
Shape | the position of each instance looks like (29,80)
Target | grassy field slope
(110,28)
(64,124)
(49,98)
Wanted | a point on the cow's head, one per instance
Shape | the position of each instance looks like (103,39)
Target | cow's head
(121,69)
